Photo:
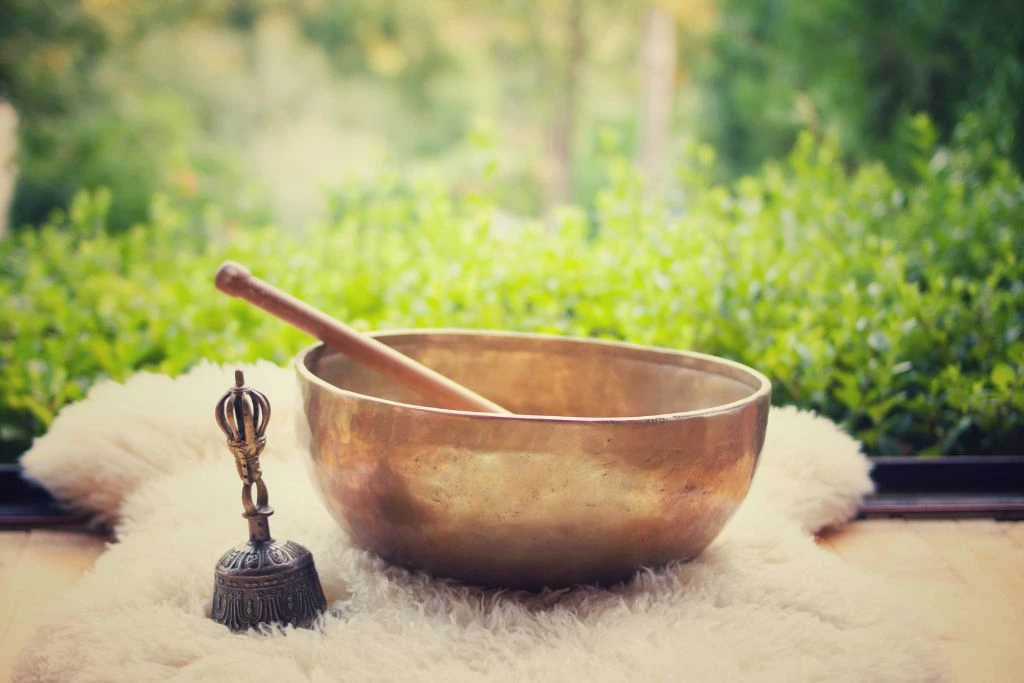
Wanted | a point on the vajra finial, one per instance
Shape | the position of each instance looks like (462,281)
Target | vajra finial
(242,414)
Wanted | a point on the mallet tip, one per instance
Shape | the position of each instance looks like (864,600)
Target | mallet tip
(230,276)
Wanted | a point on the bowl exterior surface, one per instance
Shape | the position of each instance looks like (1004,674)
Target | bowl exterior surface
(529,501)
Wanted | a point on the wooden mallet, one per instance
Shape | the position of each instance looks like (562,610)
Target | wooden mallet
(235,279)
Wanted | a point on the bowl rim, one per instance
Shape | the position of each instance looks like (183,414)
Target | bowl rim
(763,389)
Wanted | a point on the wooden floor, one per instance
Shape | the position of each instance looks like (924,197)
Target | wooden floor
(966,578)
(35,566)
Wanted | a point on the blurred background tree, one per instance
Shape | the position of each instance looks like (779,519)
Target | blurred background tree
(257,104)
(859,69)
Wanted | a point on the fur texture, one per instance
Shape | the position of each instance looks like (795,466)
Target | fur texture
(763,603)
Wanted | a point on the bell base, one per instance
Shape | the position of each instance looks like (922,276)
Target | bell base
(267,583)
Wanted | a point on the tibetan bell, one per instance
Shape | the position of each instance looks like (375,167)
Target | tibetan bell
(267,580)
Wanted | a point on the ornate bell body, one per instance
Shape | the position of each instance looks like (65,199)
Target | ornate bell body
(264,581)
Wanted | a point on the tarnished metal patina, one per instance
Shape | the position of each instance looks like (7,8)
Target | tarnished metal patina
(264,581)
(618,457)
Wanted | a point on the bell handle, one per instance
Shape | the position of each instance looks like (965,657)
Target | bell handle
(235,279)
(257,512)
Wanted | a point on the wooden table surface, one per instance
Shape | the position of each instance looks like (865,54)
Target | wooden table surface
(965,577)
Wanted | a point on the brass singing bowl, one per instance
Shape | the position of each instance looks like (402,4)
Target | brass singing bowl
(618,457)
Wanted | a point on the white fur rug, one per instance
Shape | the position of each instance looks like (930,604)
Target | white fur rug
(763,603)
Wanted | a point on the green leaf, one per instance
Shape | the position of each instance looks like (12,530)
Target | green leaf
(1002,375)
(878,341)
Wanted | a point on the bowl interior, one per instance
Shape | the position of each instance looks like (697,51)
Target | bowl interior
(542,375)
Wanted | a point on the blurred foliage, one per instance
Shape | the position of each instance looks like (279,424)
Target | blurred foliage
(78,130)
(130,95)
(858,70)
(890,306)
(262,102)
(873,273)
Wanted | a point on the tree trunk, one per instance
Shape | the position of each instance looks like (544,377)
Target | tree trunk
(8,170)
(559,188)
(659,75)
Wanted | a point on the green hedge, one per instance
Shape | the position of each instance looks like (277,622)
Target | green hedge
(894,309)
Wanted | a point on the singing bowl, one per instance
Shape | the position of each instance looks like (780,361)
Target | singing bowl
(618,457)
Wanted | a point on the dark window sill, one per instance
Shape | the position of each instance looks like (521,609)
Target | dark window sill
(948,487)
(951,487)
(983,474)
(948,506)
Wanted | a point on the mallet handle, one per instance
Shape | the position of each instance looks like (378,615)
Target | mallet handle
(236,280)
